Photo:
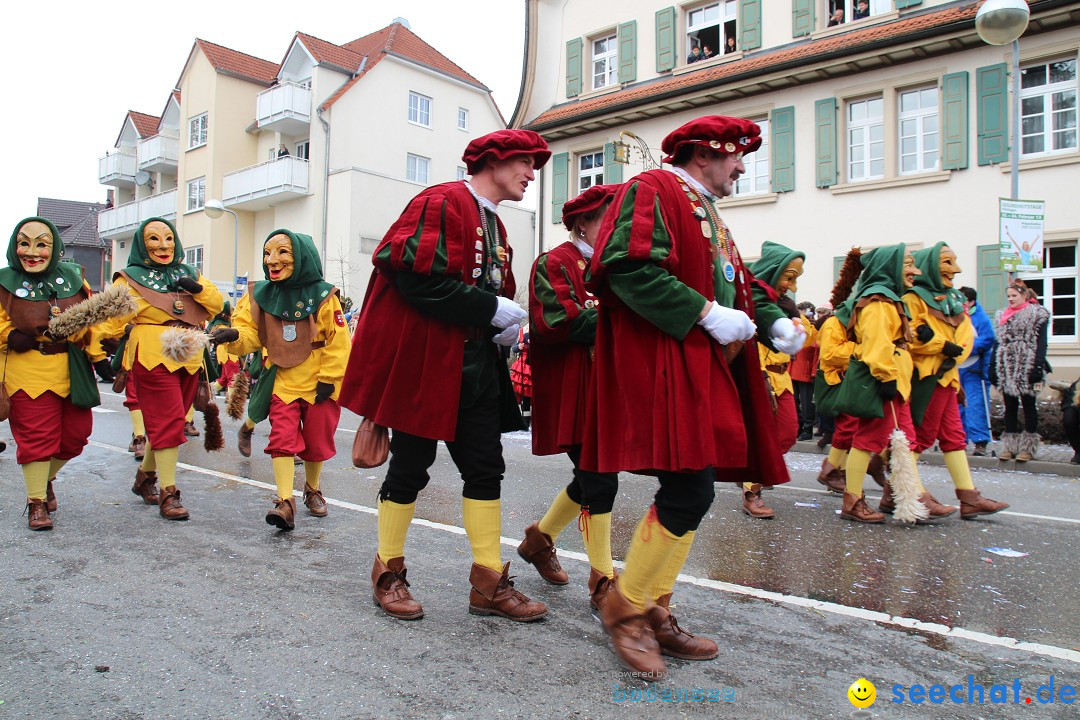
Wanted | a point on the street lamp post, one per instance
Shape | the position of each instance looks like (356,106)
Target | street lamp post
(215,209)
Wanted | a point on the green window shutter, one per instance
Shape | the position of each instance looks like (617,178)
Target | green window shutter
(992,94)
(612,169)
(992,279)
(954,121)
(750,20)
(825,146)
(560,185)
(901,4)
(837,266)
(665,39)
(628,52)
(782,147)
(802,17)
(573,68)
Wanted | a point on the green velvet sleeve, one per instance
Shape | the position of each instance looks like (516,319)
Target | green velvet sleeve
(447,299)
(583,327)
(766,312)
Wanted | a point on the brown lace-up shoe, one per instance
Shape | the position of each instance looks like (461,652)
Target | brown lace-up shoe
(538,550)
(146,486)
(243,441)
(937,510)
(599,584)
(50,498)
(37,512)
(876,469)
(314,501)
(831,477)
(888,502)
(169,504)
(390,590)
(753,506)
(631,635)
(855,508)
(973,504)
(283,514)
(672,639)
(494,594)
(190,430)
(138,446)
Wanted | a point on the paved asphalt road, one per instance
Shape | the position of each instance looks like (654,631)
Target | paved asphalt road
(119,614)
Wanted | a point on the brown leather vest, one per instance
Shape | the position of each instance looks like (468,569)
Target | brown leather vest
(33,316)
(194,314)
(287,353)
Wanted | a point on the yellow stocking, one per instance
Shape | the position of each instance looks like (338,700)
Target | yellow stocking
(957,462)
(394,520)
(483,525)
(837,457)
(36,475)
(138,427)
(149,461)
(747,486)
(166,465)
(284,471)
(249,424)
(55,465)
(312,472)
(650,549)
(190,414)
(857,462)
(665,581)
(559,515)
(596,532)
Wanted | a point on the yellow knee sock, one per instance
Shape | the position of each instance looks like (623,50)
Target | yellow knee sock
(190,414)
(596,532)
(665,581)
(957,462)
(559,515)
(36,475)
(55,465)
(149,461)
(138,427)
(166,465)
(284,471)
(249,424)
(837,457)
(394,520)
(650,549)
(857,462)
(483,525)
(747,486)
(312,472)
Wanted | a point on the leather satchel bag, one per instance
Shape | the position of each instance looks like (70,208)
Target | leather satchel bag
(202,394)
(120,381)
(5,400)
(371,448)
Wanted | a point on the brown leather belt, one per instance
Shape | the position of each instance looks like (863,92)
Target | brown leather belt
(781,368)
(52,348)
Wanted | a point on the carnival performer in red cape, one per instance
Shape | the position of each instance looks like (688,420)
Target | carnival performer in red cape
(678,391)
(562,316)
(427,363)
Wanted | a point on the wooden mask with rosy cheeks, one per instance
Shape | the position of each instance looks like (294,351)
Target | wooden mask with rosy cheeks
(34,246)
(160,243)
(948,267)
(910,270)
(789,279)
(278,257)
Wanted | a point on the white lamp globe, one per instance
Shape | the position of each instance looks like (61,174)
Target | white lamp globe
(999,22)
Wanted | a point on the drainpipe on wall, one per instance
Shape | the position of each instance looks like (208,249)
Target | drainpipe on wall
(540,214)
(326,186)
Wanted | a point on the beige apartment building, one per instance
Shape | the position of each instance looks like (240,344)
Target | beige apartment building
(893,127)
(332,141)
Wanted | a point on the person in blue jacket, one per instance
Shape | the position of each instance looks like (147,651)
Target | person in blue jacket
(975,374)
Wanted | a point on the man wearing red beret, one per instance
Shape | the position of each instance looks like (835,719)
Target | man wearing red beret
(427,363)
(681,394)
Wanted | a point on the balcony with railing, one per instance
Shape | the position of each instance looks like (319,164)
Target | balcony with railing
(117,169)
(122,220)
(284,108)
(159,153)
(261,186)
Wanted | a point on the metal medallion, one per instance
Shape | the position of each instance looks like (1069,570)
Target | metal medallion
(288,331)
(729,271)
(54,311)
(480,231)
(730,147)
(178,307)
(706,228)
(581,264)
(496,278)
(21,292)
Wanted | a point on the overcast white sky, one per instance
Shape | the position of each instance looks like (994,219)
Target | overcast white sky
(75,68)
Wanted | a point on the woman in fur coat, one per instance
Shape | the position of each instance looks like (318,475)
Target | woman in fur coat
(1019,366)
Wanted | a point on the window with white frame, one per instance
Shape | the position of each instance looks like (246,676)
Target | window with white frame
(756,179)
(196,194)
(708,28)
(1048,108)
(462,119)
(303,149)
(605,61)
(194,257)
(416,168)
(197,127)
(590,170)
(419,109)
(1056,288)
(838,12)
(918,130)
(460,173)
(865,139)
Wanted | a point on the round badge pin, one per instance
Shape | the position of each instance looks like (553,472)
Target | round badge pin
(21,292)
(706,228)
(730,147)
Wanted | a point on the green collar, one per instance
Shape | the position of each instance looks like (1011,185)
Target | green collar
(57,280)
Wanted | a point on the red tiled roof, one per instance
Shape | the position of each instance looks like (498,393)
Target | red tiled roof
(756,64)
(239,64)
(328,53)
(145,125)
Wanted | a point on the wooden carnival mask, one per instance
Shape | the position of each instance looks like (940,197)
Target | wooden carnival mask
(788,281)
(278,257)
(34,246)
(948,267)
(160,243)
(910,270)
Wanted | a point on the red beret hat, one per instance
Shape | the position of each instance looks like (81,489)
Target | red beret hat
(586,202)
(719,132)
(502,144)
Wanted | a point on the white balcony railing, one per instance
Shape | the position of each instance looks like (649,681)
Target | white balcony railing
(123,220)
(159,153)
(259,186)
(117,169)
(285,108)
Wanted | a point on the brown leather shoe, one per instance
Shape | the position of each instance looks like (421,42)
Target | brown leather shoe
(146,486)
(494,594)
(831,477)
(672,639)
(855,508)
(876,469)
(50,498)
(538,550)
(631,635)
(973,504)
(888,503)
(936,509)
(190,430)
(169,504)
(37,512)
(243,441)
(138,446)
(314,501)
(753,506)
(283,513)
(599,584)
(390,590)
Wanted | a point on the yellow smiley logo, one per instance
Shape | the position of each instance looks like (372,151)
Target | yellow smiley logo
(862,693)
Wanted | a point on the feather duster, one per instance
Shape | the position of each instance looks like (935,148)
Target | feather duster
(213,438)
(113,301)
(849,273)
(183,345)
(236,398)
(905,480)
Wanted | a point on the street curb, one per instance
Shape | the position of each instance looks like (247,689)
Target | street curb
(933,457)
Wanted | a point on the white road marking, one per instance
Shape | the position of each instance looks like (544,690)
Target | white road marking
(101,410)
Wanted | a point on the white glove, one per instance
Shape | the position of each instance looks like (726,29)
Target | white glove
(726,325)
(787,337)
(508,337)
(508,313)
